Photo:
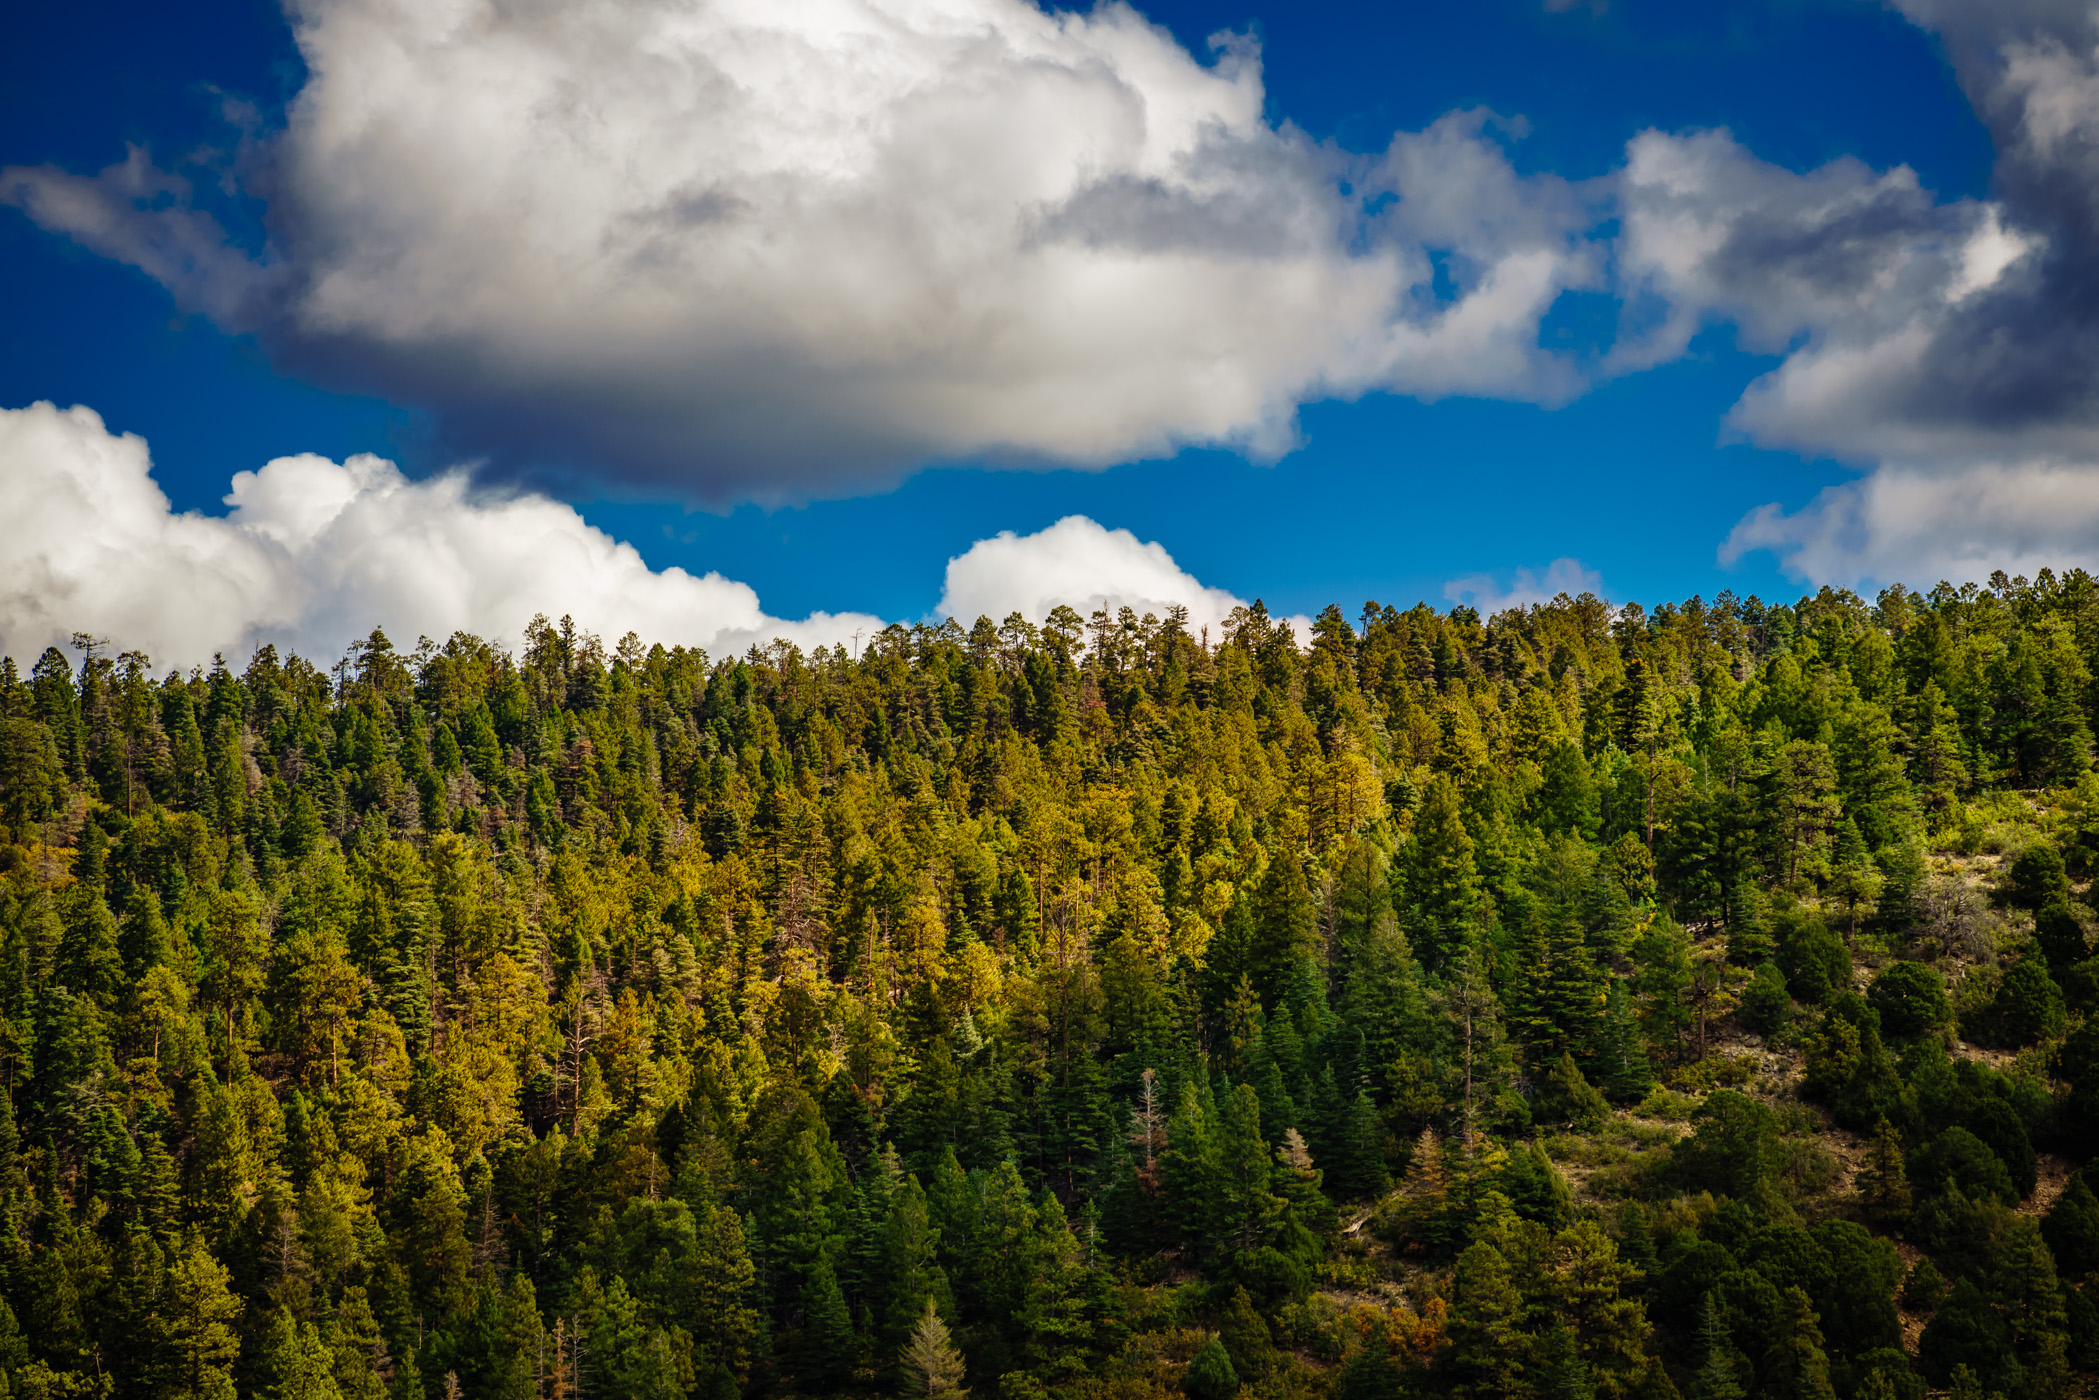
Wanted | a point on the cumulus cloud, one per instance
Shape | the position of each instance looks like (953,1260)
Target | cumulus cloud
(1844,255)
(730,250)
(740,249)
(1080,564)
(1958,356)
(314,553)
(1485,594)
(1925,525)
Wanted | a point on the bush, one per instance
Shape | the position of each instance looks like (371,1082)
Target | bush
(1925,1288)
(1734,1148)
(1210,1375)
(1911,999)
(2080,984)
(2071,1229)
(1814,960)
(2059,928)
(2036,878)
(1563,1096)
(1766,1004)
(1959,1159)
(2028,1007)
(1967,1333)
(1998,1128)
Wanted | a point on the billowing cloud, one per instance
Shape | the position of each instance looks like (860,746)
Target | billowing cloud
(1844,256)
(1485,594)
(1080,564)
(314,553)
(1958,357)
(1923,525)
(740,249)
(731,250)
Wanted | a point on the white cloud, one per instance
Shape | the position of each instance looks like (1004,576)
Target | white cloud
(1080,564)
(729,249)
(743,249)
(1920,526)
(1966,374)
(1484,593)
(1840,254)
(314,553)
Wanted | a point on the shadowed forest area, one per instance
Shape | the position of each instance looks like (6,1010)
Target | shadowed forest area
(1579,1004)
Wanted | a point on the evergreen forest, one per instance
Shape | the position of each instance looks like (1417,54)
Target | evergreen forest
(1580,1003)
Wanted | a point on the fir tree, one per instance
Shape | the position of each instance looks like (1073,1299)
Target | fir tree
(829,1348)
(1797,1368)
(1718,1376)
(1356,1170)
(1210,1375)
(928,1362)
(1883,1184)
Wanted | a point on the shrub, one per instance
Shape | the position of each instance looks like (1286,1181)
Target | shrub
(1911,1000)
(1563,1096)
(1959,1159)
(1210,1375)
(1814,960)
(1925,1288)
(1766,1004)
(2036,878)
(2059,927)
(2028,1007)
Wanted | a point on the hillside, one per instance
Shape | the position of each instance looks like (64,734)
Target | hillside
(1572,1004)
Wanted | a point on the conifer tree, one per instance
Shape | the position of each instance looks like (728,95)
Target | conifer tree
(1210,1375)
(1563,1096)
(1440,881)
(1883,1183)
(1797,1367)
(929,1363)
(1246,1337)
(829,1347)
(298,1362)
(2071,1229)
(1357,1166)
(1718,1376)
(195,1326)
(1488,1351)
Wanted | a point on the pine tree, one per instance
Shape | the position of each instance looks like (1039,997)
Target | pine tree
(1210,1375)
(1246,1337)
(1245,1208)
(1883,1184)
(928,1362)
(1425,1192)
(1561,1374)
(829,1348)
(1356,1170)
(1623,1071)
(1440,879)
(1488,1349)
(196,1324)
(1797,1367)
(1718,1376)
(299,1363)
(1192,1167)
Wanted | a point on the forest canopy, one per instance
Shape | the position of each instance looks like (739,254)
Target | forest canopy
(1582,1003)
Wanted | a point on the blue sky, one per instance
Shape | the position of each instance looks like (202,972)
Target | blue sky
(1639,476)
